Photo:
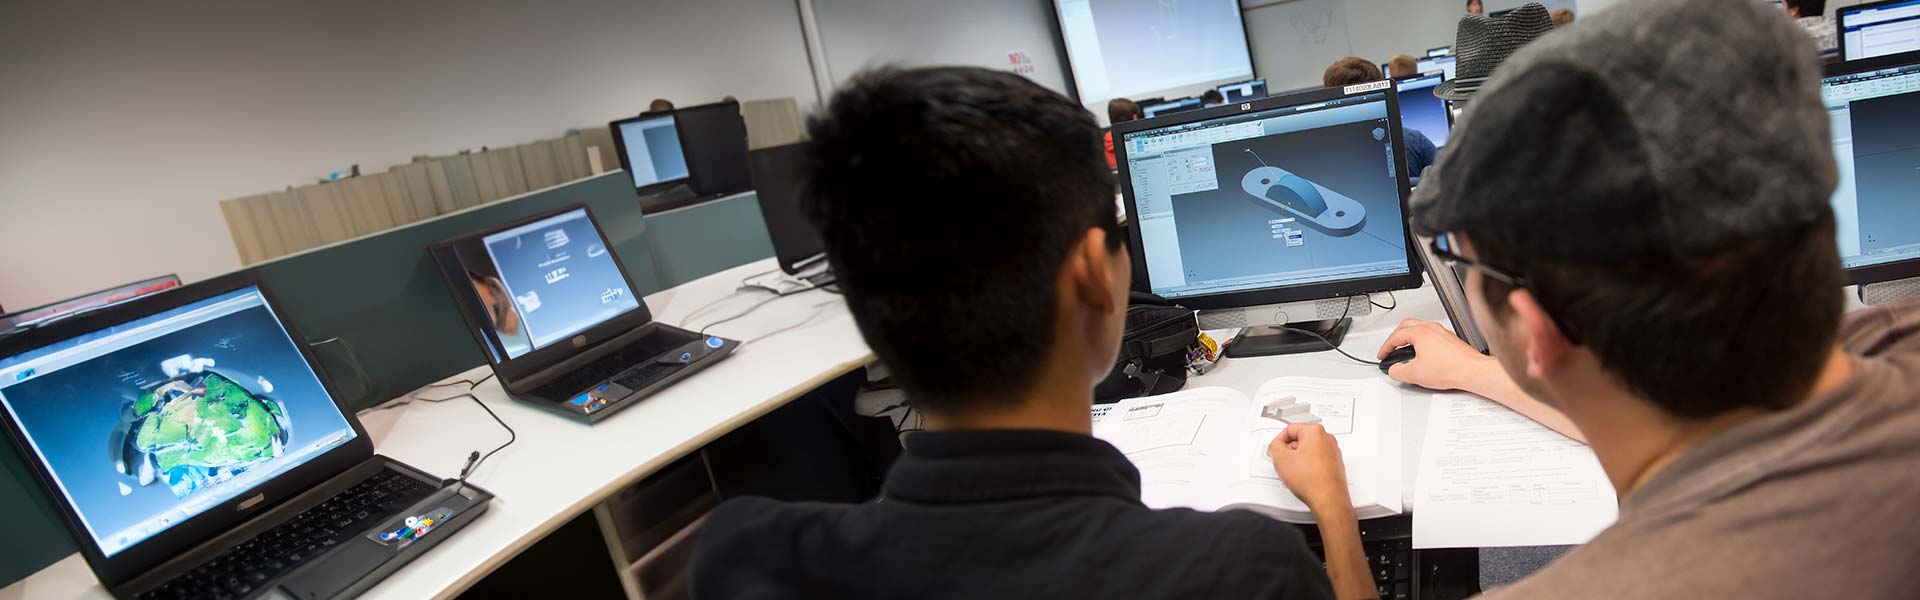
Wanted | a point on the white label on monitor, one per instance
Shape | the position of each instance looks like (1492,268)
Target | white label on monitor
(1366,87)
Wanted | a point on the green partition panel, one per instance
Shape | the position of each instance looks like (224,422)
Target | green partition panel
(703,239)
(383,297)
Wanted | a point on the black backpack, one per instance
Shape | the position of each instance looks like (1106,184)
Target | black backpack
(1153,350)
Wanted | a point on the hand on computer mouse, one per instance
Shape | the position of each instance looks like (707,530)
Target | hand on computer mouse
(1445,362)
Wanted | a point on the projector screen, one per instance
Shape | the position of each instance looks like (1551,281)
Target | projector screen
(1136,48)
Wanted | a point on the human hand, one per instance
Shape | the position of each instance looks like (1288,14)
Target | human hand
(1442,361)
(1308,461)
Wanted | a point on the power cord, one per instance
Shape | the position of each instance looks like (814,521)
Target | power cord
(1390,296)
(474,458)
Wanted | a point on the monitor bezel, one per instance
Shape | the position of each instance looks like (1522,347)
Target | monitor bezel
(620,149)
(1840,27)
(135,560)
(512,370)
(1295,293)
(172,278)
(1900,269)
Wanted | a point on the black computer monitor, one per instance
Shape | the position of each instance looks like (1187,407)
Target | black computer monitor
(1287,199)
(1252,89)
(1178,105)
(1878,28)
(1422,111)
(72,306)
(1876,208)
(1437,64)
(650,151)
(714,137)
(779,174)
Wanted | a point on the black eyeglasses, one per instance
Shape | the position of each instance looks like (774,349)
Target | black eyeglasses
(1440,245)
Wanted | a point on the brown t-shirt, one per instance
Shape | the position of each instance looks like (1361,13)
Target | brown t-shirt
(1819,501)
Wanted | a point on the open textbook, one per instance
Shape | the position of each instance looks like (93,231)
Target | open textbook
(1206,448)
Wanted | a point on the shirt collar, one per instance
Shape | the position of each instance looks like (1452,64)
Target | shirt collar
(989,465)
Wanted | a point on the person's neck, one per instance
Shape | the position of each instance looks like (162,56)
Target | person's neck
(1634,440)
(1054,403)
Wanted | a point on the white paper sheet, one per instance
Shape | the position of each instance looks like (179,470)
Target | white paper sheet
(1492,477)
(1363,415)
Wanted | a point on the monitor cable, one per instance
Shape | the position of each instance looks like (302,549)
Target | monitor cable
(1336,348)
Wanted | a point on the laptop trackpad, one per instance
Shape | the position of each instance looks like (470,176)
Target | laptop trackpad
(363,560)
(338,571)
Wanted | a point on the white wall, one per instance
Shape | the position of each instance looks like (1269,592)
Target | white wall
(861,33)
(123,123)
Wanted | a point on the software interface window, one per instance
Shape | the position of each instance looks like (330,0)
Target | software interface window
(1881,30)
(1286,196)
(1876,142)
(1122,48)
(1421,111)
(653,150)
(561,280)
(151,422)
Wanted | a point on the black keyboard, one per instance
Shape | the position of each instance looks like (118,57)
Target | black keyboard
(646,374)
(635,356)
(237,572)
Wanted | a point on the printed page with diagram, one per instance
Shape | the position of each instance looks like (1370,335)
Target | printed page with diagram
(1181,442)
(1364,415)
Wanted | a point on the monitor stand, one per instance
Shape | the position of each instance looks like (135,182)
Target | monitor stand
(1889,291)
(1273,340)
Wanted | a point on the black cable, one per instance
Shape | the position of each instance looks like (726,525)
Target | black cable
(748,311)
(1390,296)
(1336,348)
(475,459)
(470,385)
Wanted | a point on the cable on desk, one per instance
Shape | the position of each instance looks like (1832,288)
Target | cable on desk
(817,309)
(1336,348)
(1390,296)
(695,313)
(475,459)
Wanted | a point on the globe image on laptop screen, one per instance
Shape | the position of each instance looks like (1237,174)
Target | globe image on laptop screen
(198,429)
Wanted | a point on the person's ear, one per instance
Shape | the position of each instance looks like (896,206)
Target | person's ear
(1547,347)
(1090,271)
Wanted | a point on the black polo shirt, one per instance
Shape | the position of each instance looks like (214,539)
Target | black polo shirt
(1001,514)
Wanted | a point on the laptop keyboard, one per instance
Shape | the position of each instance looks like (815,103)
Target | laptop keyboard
(237,572)
(639,354)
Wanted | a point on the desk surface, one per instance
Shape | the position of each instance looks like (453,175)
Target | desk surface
(1363,340)
(558,469)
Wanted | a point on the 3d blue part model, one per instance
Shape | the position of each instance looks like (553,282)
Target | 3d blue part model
(1323,209)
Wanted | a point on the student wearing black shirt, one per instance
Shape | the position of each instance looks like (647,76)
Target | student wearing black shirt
(968,215)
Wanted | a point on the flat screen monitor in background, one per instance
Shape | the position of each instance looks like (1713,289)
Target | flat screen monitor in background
(1437,64)
(649,149)
(1292,199)
(1879,28)
(714,137)
(779,174)
(1169,107)
(1441,51)
(1876,143)
(1244,91)
(1133,48)
(73,306)
(1421,111)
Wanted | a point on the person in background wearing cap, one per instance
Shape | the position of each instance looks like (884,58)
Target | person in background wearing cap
(1354,70)
(1677,296)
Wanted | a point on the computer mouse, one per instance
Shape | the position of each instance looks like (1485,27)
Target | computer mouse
(1397,356)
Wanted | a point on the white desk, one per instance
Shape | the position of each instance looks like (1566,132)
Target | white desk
(1363,340)
(559,469)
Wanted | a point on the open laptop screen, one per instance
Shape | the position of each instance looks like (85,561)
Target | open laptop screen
(551,279)
(147,423)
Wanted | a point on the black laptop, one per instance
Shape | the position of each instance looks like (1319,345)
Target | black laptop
(196,451)
(552,309)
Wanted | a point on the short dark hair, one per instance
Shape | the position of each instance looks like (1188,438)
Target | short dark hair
(1808,8)
(1212,96)
(1351,70)
(1750,327)
(1470,4)
(1121,110)
(948,199)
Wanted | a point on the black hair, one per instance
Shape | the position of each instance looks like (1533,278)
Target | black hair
(1808,8)
(1212,96)
(1748,328)
(948,199)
